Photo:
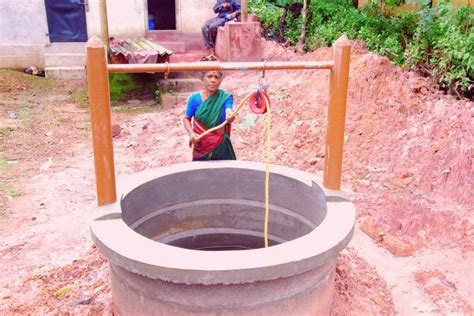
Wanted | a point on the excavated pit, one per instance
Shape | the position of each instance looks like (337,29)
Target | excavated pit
(188,239)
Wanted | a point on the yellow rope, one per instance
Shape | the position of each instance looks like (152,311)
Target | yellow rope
(267,158)
(267,171)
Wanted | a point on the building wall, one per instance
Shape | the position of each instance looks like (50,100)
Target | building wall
(192,14)
(23,33)
(24,28)
(126,18)
(129,18)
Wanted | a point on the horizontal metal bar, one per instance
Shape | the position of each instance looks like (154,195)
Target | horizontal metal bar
(209,66)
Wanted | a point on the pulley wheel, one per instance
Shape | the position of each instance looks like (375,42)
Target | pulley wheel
(257,102)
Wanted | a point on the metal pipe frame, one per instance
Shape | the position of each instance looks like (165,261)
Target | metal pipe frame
(99,99)
(214,65)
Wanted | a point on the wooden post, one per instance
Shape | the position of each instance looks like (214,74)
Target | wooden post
(99,101)
(104,22)
(339,79)
(245,10)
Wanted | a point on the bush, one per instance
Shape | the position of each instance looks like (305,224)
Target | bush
(125,86)
(443,46)
(269,15)
(436,41)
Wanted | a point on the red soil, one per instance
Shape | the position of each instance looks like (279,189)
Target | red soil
(407,165)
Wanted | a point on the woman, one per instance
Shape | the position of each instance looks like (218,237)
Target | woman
(207,109)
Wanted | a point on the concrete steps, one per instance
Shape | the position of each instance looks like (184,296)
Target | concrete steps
(66,73)
(65,61)
(180,85)
(175,91)
(171,100)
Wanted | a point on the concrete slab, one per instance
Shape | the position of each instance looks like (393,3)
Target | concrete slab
(66,73)
(239,41)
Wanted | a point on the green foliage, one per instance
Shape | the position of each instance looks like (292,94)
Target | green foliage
(436,41)
(3,163)
(124,86)
(4,132)
(120,85)
(81,98)
(9,190)
(443,46)
(285,3)
(293,29)
(269,14)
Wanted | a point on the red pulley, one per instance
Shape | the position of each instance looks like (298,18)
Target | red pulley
(257,102)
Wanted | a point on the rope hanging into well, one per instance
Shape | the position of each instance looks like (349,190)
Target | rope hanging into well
(267,156)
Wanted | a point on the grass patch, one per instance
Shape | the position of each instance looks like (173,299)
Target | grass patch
(9,190)
(81,98)
(18,81)
(125,86)
(25,114)
(3,164)
(39,83)
(4,132)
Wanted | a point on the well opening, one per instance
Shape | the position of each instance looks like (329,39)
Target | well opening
(221,209)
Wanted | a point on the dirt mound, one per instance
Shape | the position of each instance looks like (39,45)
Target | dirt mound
(407,163)
(404,141)
(12,81)
(443,292)
(356,295)
(80,288)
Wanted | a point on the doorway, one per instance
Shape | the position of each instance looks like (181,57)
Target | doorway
(161,15)
(66,21)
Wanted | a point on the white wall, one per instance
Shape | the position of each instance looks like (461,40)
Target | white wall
(23,22)
(24,26)
(192,14)
(23,33)
(126,18)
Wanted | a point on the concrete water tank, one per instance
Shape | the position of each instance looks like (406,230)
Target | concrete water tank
(188,240)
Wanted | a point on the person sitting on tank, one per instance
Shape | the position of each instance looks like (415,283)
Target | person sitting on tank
(226,10)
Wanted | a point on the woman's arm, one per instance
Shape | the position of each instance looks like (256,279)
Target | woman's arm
(229,112)
(229,115)
(189,129)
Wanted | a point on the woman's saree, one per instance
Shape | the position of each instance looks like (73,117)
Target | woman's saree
(215,145)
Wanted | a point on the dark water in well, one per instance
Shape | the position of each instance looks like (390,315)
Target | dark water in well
(221,242)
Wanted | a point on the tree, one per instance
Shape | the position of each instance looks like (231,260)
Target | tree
(302,37)
(293,6)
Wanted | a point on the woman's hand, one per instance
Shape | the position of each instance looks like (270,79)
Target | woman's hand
(189,130)
(229,114)
(231,119)
(193,138)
